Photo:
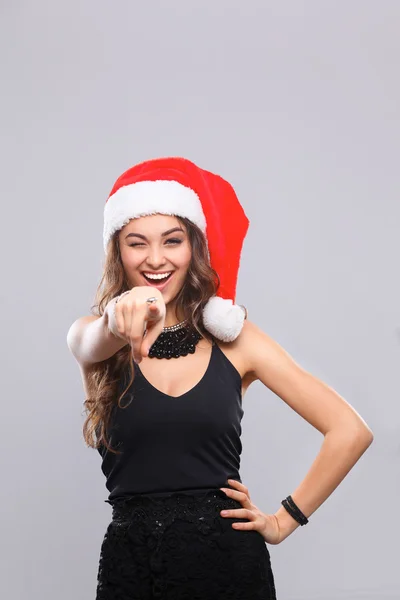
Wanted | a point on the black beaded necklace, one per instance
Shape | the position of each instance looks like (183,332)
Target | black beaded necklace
(175,341)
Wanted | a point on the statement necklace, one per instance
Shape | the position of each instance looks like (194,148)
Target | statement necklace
(175,341)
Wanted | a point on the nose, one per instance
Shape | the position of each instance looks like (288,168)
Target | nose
(155,258)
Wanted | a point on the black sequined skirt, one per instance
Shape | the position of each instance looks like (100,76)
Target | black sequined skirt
(178,547)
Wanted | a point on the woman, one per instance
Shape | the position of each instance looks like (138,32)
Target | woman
(165,366)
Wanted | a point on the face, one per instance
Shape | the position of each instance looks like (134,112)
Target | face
(155,244)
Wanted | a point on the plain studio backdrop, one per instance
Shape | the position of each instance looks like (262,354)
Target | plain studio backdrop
(296,103)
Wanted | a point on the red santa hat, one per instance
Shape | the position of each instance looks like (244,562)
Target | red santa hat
(176,186)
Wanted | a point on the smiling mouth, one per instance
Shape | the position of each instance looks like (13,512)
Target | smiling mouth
(158,281)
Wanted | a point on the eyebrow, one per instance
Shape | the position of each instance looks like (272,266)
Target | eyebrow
(143,237)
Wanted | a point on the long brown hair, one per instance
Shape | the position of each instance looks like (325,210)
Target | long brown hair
(104,378)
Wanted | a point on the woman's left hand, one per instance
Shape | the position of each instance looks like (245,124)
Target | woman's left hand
(267,525)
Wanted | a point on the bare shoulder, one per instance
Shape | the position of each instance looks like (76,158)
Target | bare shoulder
(248,340)
(239,352)
(261,354)
(254,352)
(73,340)
(80,323)
(75,332)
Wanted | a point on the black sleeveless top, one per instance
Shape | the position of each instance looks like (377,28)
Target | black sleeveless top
(176,443)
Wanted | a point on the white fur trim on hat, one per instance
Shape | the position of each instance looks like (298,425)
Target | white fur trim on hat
(223,319)
(149,198)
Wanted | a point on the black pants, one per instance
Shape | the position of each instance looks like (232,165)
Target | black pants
(178,547)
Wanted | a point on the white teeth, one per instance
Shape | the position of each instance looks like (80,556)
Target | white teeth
(160,276)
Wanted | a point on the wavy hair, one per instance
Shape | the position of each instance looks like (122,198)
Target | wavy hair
(104,378)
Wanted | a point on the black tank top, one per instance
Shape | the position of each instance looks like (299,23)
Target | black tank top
(168,443)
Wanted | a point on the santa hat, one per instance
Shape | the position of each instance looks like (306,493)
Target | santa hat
(176,186)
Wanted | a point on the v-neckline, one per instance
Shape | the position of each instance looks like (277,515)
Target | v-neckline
(197,385)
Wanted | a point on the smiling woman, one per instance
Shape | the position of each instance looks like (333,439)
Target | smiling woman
(169,431)
(166,251)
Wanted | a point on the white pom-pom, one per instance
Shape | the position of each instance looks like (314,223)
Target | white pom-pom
(223,319)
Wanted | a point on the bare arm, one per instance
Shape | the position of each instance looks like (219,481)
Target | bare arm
(346,435)
(339,453)
(93,339)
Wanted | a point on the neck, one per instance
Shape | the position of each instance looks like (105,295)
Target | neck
(171,317)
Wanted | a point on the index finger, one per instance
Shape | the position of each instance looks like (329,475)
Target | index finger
(153,311)
(151,333)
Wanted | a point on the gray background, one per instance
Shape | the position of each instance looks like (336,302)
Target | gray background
(297,104)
